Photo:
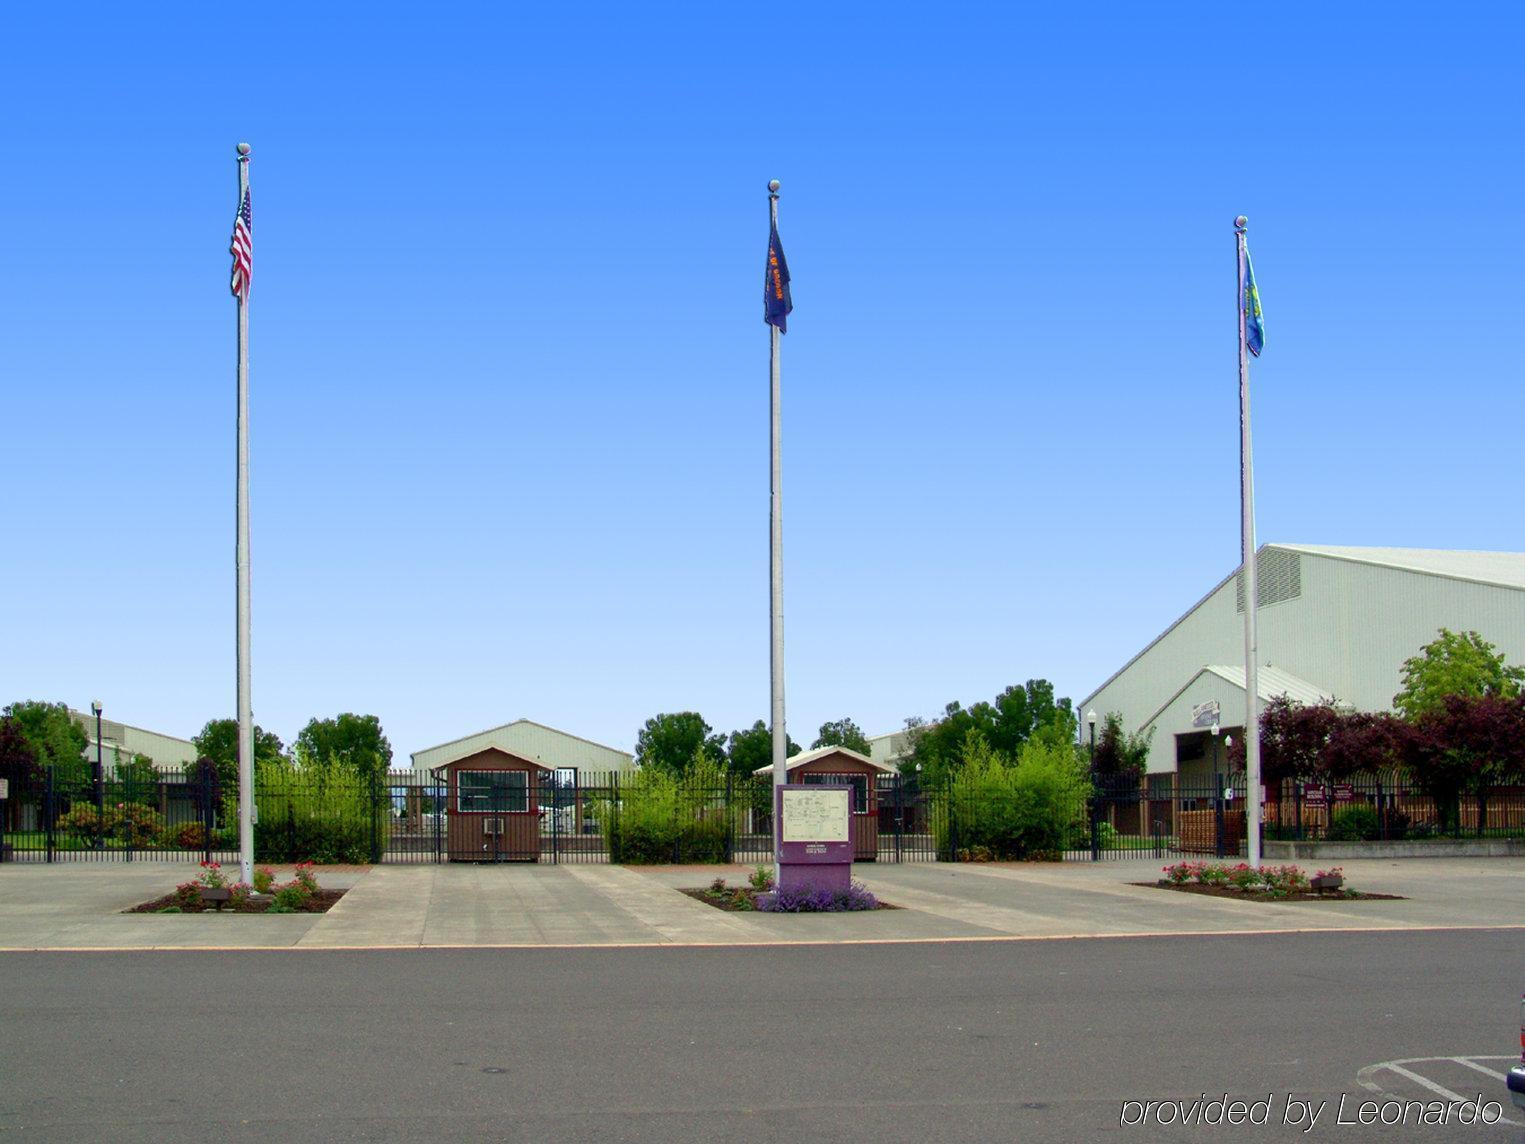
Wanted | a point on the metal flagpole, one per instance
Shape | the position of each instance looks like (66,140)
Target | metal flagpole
(1247,555)
(776,565)
(245,714)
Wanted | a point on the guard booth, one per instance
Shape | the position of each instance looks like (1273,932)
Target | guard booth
(839,766)
(492,806)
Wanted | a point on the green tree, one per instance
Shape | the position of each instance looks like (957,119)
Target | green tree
(668,742)
(218,741)
(1454,664)
(55,741)
(1119,752)
(353,741)
(1019,713)
(842,733)
(753,748)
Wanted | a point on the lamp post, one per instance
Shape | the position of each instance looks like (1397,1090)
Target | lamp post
(100,786)
(1095,802)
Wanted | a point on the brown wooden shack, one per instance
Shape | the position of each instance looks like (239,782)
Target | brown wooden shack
(839,766)
(492,806)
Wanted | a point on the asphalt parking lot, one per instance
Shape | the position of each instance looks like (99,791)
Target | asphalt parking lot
(948,1041)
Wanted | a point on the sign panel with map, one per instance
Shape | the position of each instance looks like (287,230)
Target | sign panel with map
(815,825)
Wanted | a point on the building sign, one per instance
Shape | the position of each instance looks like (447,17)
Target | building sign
(1205,714)
(1344,792)
(1313,794)
(815,815)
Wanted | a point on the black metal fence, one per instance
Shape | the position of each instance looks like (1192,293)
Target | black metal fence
(569,816)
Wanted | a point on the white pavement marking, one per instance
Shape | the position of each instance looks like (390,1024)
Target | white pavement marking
(1471,1063)
(1397,1067)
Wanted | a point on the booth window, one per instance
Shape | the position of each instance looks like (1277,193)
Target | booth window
(859,783)
(501,791)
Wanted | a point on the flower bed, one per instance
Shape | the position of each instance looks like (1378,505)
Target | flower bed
(808,901)
(1260,883)
(211,892)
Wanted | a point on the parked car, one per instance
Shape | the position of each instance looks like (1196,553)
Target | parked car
(1516,1080)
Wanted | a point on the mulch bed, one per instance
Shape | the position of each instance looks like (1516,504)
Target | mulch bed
(320,903)
(732,898)
(1261,896)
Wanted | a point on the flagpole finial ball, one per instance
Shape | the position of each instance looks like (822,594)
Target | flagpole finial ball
(773,185)
(243,148)
(1241,222)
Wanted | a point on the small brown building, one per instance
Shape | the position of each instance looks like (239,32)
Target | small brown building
(839,766)
(492,807)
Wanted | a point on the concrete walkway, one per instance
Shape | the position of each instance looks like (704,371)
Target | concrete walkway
(78,906)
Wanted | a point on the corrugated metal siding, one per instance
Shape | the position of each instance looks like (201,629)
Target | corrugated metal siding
(1347,633)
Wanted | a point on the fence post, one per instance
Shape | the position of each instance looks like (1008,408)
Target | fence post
(1093,804)
(375,816)
(1218,816)
(952,821)
(47,814)
(899,781)
(730,815)
(612,826)
(128,791)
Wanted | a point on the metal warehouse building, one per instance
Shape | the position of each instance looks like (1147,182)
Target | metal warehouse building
(1334,623)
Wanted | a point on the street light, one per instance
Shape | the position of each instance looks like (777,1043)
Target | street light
(100,787)
(1095,806)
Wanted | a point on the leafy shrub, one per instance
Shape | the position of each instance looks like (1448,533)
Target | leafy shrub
(1002,810)
(311,810)
(188,836)
(660,817)
(1354,822)
(761,878)
(132,823)
(304,877)
(264,878)
(290,897)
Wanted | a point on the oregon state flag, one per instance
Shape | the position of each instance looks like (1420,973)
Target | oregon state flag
(1254,324)
(776,300)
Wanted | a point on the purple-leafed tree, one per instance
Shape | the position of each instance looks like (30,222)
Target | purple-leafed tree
(1365,742)
(1470,743)
(18,766)
(1293,737)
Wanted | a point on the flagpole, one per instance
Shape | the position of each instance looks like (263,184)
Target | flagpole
(245,713)
(776,555)
(1247,556)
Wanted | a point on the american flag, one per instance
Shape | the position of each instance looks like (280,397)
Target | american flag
(243,249)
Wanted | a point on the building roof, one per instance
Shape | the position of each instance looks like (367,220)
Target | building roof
(481,749)
(822,752)
(1501,569)
(1498,569)
(1270,682)
(430,757)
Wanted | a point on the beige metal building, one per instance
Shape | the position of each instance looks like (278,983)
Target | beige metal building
(120,742)
(528,740)
(1334,623)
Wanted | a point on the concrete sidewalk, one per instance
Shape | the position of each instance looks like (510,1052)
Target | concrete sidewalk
(78,906)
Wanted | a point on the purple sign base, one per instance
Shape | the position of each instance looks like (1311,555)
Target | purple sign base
(814,876)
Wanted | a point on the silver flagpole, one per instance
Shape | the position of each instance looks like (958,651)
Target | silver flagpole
(1247,555)
(245,714)
(776,565)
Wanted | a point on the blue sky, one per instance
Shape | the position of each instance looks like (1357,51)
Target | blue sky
(509,381)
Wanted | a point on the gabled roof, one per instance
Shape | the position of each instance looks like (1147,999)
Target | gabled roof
(1270,682)
(478,736)
(1500,569)
(467,752)
(822,752)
